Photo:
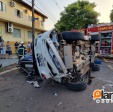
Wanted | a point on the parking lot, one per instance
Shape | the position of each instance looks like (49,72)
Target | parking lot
(16,95)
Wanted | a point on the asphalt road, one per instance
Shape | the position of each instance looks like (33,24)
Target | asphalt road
(16,95)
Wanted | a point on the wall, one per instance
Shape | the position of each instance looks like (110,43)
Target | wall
(9,36)
(11,17)
(20,23)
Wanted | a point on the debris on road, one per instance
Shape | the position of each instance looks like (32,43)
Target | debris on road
(17,91)
(59,104)
(55,94)
(35,83)
(109,85)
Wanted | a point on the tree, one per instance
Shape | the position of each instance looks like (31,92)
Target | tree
(111,15)
(77,15)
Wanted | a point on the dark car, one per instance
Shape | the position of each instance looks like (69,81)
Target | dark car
(26,64)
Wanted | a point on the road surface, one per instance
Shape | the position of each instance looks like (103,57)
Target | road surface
(16,95)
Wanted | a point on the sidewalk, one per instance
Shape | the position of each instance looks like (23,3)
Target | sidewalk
(7,62)
(104,56)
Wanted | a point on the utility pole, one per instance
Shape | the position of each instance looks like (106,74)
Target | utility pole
(33,31)
(33,28)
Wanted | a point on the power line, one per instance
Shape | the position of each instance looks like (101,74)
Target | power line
(46,14)
(49,13)
(42,12)
(46,8)
(57,5)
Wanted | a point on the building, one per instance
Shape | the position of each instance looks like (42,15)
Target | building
(105,31)
(16,21)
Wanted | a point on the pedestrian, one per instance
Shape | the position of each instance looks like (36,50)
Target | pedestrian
(16,47)
(1,65)
(28,47)
(3,50)
(21,50)
(9,50)
(0,47)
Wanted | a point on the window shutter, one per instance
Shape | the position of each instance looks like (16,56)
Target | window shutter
(15,12)
(29,34)
(4,7)
(0,6)
(40,22)
(21,13)
(28,17)
(17,33)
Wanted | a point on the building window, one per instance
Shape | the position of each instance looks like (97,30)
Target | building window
(18,13)
(16,33)
(2,7)
(29,34)
(41,23)
(29,18)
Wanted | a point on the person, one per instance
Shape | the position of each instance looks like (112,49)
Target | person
(28,47)
(3,50)
(1,65)
(16,47)
(21,50)
(0,47)
(9,50)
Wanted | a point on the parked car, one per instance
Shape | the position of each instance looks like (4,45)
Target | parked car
(26,64)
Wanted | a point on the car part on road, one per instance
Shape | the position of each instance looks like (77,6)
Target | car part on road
(95,68)
(97,61)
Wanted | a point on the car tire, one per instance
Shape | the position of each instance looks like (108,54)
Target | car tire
(72,36)
(95,68)
(95,38)
(79,86)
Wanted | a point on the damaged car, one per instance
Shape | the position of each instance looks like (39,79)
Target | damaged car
(66,57)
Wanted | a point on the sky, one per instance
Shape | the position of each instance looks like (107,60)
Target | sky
(52,9)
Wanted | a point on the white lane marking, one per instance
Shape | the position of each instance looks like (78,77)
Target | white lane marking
(110,67)
(8,71)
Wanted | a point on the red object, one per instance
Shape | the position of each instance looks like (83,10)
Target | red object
(103,43)
(74,30)
(44,76)
(100,28)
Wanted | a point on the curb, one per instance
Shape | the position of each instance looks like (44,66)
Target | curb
(107,61)
(107,57)
(8,66)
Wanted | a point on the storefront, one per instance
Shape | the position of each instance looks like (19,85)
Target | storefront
(105,31)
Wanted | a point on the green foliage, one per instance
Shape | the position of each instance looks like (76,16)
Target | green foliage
(76,15)
(111,15)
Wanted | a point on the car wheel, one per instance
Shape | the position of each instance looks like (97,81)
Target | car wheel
(72,36)
(95,68)
(77,86)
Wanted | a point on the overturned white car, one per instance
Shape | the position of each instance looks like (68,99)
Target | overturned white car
(65,57)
